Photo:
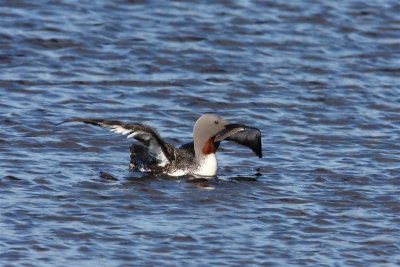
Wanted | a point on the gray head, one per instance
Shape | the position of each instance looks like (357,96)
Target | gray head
(205,128)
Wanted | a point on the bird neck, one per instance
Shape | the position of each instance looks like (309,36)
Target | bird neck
(204,147)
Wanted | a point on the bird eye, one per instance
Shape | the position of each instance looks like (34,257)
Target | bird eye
(216,122)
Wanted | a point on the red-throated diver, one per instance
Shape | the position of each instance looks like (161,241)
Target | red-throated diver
(197,158)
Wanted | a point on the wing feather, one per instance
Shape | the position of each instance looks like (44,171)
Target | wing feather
(145,134)
(242,134)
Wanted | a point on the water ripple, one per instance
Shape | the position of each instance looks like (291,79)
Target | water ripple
(319,79)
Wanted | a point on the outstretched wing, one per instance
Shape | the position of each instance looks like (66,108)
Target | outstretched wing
(242,134)
(141,132)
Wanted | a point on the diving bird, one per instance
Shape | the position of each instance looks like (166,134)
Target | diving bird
(197,158)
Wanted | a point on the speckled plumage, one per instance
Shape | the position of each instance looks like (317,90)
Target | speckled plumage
(153,154)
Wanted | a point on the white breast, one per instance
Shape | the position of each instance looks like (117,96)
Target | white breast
(208,166)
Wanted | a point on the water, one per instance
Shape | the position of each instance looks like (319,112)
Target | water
(320,79)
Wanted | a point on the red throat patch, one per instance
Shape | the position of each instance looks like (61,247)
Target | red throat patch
(209,147)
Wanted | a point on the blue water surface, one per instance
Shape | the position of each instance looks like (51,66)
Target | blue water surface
(320,79)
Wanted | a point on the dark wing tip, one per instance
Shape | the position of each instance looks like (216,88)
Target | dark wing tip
(65,121)
(243,135)
(97,122)
(258,146)
(90,121)
(250,137)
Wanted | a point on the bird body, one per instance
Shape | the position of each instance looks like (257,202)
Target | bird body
(153,154)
